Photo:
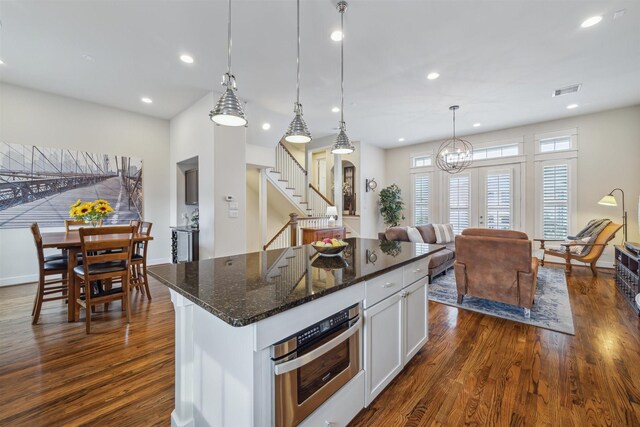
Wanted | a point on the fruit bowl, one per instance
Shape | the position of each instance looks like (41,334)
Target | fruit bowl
(330,250)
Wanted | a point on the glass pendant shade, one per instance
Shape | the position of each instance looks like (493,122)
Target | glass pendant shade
(298,133)
(455,154)
(342,144)
(228,110)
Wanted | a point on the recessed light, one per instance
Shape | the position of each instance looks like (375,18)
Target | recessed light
(572,106)
(187,59)
(590,22)
(146,100)
(335,110)
(400,139)
(433,76)
(266,126)
(1,62)
(336,36)
(476,125)
(87,57)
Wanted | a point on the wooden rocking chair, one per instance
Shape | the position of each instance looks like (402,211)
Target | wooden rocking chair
(598,245)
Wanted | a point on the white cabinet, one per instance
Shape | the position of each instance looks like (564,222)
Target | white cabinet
(382,345)
(395,329)
(415,316)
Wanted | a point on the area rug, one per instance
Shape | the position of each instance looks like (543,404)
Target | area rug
(551,309)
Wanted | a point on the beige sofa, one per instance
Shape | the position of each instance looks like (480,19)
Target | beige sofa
(440,262)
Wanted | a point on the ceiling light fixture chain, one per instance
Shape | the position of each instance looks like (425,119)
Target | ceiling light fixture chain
(228,111)
(342,144)
(298,132)
(455,154)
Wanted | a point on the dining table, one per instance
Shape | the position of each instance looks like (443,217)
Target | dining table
(69,242)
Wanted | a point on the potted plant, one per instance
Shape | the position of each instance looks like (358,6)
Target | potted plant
(391,205)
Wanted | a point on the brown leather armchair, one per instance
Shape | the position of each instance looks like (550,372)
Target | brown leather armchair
(496,265)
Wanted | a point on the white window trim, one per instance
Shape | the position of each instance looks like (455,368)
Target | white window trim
(413,168)
(430,209)
(573,133)
(572,192)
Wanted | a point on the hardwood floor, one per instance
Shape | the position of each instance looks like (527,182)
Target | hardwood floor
(475,370)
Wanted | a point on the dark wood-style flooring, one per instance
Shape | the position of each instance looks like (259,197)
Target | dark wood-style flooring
(475,370)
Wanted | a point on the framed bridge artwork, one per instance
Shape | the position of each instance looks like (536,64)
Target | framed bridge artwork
(38,184)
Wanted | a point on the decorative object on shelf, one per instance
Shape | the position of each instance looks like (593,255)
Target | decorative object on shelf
(455,154)
(610,200)
(342,144)
(90,212)
(195,219)
(298,133)
(185,219)
(391,205)
(228,110)
(370,185)
(332,213)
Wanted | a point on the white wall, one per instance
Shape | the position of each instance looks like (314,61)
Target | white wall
(608,157)
(38,118)
(192,134)
(372,165)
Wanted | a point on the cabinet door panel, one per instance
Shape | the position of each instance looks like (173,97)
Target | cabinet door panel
(383,344)
(416,330)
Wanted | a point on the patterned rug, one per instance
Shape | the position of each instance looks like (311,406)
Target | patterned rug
(551,310)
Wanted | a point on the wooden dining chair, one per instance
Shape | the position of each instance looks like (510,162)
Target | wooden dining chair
(48,289)
(139,261)
(106,254)
(74,224)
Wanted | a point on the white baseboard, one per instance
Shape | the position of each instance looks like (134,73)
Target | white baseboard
(158,261)
(18,280)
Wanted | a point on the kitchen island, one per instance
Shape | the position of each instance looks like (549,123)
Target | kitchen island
(357,319)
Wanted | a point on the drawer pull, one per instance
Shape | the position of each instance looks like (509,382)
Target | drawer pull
(388,285)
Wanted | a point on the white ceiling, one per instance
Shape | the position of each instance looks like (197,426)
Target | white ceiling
(499,60)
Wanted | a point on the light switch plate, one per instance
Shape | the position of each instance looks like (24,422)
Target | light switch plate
(233,213)
(233,206)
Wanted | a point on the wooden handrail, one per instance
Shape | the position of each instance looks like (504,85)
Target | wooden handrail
(284,227)
(292,157)
(320,194)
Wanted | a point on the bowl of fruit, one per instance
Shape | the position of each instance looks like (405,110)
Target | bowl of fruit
(329,247)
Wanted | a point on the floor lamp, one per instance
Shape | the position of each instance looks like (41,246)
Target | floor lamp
(609,200)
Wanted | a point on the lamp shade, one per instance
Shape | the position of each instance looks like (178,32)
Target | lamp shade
(608,200)
(332,211)
(228,111)
(298,133)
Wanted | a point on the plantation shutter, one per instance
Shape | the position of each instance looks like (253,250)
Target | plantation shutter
(459,202)
(499,201)
(555,201)
(421,201)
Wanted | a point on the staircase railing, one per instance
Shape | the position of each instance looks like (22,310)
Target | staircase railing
(290,170)
(318,202)
(291,233)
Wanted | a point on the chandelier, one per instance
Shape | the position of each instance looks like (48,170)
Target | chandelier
(455,154)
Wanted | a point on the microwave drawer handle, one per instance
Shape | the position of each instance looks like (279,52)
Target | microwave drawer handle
(296,363)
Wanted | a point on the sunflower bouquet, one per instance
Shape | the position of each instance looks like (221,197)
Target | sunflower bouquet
(90,212)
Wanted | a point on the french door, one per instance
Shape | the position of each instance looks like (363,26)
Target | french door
(485,197)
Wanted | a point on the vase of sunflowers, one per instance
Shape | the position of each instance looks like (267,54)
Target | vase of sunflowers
(90,212)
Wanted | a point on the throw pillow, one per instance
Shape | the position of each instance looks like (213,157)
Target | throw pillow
(414,235)
(444,233)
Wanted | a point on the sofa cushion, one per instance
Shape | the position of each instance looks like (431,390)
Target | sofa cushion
(440,258)
(414,235)
(427,232)
(487,232)
(451,246)
(398,234)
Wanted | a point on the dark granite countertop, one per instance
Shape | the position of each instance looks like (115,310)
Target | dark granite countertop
(244,289)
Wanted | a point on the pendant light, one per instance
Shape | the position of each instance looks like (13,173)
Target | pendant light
(298,133)
(228,110)
(342,144)
(455,154)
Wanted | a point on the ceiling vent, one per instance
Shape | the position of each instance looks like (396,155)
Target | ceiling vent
(567,90)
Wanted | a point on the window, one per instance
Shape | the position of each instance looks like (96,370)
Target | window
(555,201)
(421,193)
(499,201)
(496,152)
(555,144)
(459,202)
(421,161)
